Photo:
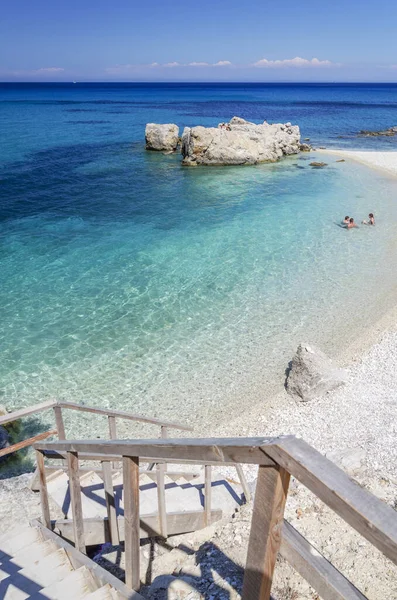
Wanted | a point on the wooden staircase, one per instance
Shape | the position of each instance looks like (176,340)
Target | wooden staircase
(37,564)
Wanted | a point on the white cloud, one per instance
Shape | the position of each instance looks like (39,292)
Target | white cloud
(48,70)
(198,64)
(172,64)
(296,62)
(222,63)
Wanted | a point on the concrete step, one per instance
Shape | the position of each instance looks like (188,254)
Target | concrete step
(91,484)
(31,555)
(103,593)
(14,541)
(54,567)
(78,584)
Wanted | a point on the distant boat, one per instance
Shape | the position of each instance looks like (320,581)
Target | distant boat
(74,81)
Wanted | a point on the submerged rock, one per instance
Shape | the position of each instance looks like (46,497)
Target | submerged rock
(305,147)
(161,137)
(318,164)
(313,374)
(239,142)
(388,132)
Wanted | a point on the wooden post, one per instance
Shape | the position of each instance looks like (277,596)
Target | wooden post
(110,504)
(45,507)
(243,482)
(113,435)
(265,536)
(161,500)
(59,423)
(131,521)
(207,495)
(75,500)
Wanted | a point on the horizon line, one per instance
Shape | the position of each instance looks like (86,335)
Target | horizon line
(201,82)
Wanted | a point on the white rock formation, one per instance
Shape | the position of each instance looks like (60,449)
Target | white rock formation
(313,374)
(161,137)
(239,143)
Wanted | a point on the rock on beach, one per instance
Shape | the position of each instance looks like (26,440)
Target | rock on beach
(313,374)
(239,142)
(161,137)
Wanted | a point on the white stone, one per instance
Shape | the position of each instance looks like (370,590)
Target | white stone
(161,137)
(313,374)
(240,143)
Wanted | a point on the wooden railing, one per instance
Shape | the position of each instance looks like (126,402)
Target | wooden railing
(277,459)
(57,407)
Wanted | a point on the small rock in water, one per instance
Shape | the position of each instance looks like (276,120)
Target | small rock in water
(341,160)
(161,137)
(313,374)
(318,164)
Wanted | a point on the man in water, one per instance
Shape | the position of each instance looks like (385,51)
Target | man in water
(351,223)
(371,220)
(345,220)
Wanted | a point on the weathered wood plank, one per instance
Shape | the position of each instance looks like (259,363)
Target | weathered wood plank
(371,517)
(24,412)
(45,507)
(77,559)
(328,582)
(26,443)
(162,511)
(131,521)
(110,503)
(59,422)
(152,474)
(97,530)
(75,501)
(207,493)
(113,435)
(243,482)
(265,536)
(207,450)
(124,415)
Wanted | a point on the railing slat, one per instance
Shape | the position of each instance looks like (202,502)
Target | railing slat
(207,495)
(371,517)
(59,422)
(243,482)
(265,536)
(327,581)
(162,511)
(131,521)
(75,501)
(110,503)
(45,507)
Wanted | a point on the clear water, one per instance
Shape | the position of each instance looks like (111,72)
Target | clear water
(129,281)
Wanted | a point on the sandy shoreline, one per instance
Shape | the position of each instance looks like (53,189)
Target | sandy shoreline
(382,161)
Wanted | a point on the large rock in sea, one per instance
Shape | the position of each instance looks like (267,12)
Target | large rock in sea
(239,143)
(163,137)
(313,374)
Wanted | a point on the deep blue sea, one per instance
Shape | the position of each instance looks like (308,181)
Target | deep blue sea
(130,281)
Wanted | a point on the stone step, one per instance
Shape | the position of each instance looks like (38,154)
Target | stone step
(31,555)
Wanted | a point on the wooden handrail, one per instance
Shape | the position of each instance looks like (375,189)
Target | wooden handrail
(24,412)
(28,442)
(207,450)
(278,458)
(123,415)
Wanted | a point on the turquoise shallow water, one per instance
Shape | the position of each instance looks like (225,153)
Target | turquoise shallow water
(129,281)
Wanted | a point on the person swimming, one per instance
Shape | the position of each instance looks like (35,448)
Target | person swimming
(351,223)
(371,220)
(346,220)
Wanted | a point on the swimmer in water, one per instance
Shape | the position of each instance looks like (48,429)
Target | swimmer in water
(371,220)
(351,223)
(346,220)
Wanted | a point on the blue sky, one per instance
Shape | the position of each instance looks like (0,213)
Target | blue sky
(174,40)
